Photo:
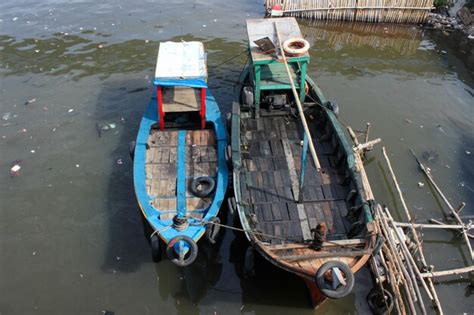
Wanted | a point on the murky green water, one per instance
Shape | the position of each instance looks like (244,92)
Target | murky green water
(71,238)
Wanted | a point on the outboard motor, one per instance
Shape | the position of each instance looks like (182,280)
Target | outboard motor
(276,101)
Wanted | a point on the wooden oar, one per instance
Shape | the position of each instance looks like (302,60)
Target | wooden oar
(298,103)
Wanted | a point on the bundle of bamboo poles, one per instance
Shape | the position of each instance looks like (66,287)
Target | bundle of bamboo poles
(408,275)
(393,11)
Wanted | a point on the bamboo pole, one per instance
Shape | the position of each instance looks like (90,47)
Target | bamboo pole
(367,130)
(446,201)
(409,277)
(450,272)
(298,103)
(441,223)
(434,295)
(431,226)
(415,234)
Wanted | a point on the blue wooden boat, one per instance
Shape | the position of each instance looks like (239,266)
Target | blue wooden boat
(180,170)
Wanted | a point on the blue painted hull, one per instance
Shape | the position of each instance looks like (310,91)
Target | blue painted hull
(164,228)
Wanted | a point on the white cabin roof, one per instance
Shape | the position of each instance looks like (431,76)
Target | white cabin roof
(181,61)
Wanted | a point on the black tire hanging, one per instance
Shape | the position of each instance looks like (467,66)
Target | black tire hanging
(155,248)
(206,182)
(212,229)
(189,258)
(380,301)
(342,290)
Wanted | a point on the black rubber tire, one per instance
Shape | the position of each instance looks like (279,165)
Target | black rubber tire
(212,230)
(328,291)
(131,149)
(380,302)
(191,256)
(211,184)
(155,248)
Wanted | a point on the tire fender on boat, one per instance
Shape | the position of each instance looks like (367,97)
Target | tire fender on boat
(155,248)
(212,229)
(296,46)
(380,301)
(328,288)
(184,259)
(206,182)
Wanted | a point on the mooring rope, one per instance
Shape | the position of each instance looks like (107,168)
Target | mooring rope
(270,235)
(230,59)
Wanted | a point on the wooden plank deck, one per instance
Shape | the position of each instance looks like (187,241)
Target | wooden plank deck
(161,172)
(270,176)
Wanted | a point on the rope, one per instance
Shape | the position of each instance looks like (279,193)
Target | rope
(269,235)
(230,59)
(161,230)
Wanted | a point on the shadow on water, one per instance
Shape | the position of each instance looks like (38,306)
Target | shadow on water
(119,103)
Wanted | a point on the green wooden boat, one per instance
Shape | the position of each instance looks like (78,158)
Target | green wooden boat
(315,223)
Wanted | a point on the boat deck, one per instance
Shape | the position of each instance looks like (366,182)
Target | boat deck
(271,165)
(162,180)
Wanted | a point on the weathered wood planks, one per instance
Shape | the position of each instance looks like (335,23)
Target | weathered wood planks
(161,172)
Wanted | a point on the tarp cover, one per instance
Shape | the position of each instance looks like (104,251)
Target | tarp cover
(181,63)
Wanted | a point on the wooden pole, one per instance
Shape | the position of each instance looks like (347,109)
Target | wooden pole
(298,103)
(446,201)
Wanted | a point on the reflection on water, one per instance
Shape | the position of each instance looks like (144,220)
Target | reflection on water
(397,39)
(74,55)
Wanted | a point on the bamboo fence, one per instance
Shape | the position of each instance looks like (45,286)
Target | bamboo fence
(389,11)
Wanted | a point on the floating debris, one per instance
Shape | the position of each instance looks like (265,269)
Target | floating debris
(6,116)
(119,161)
(28,102)
(77,165)
(70,110)
(430,156)
(104,128)
(420,184)
(15,170)
(468,152)
(15,18)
